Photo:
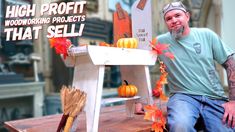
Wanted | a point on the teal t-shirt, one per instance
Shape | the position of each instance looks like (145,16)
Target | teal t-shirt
(193,69)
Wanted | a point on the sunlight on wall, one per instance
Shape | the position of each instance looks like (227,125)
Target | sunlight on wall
(227,23)
(227,26)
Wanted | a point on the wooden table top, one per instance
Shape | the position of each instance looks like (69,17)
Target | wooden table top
(112,119)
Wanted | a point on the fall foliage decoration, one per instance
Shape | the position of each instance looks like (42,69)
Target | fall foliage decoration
(160,49)
(127,43)
(72,101)
(154,114)
(157,90)
(61,45)
(127,90)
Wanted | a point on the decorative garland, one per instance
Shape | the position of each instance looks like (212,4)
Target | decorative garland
(154,113)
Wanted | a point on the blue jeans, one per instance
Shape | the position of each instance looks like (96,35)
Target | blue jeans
(183,111)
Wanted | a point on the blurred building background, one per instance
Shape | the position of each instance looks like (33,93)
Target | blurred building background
(31,74)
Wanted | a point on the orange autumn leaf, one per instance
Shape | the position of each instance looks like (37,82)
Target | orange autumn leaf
(163,78)
(104,44)
(153,42)
(52,42)
(162,67)
(158,115)
(163,97)
(169,55)
(158,84)
(150,112)
(150,107)
(154,114)
(159,48)
(57,41)
(147,116)
(157,127)
(157,91)
(61,45)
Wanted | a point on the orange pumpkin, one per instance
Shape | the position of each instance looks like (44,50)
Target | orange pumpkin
(127,90)
(127,43)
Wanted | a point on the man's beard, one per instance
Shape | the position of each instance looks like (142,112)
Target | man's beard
(177,34)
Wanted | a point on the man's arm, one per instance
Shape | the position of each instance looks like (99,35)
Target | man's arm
(229,107)
(229,65)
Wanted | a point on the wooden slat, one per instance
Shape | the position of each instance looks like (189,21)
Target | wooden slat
(112,119)
(101,55)
(117,99)
(142,23)
(121,24)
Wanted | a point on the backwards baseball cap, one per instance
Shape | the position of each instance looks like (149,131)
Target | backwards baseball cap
(174,6)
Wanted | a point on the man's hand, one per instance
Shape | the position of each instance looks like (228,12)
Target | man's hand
(139,108)
(229,113)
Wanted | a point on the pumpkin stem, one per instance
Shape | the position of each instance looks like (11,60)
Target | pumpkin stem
(125,35)
(126,82)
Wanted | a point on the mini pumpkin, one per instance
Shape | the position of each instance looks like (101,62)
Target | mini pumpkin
(104,44)
(127,90)
(127,43)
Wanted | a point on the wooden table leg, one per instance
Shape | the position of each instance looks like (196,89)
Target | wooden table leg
(89,78)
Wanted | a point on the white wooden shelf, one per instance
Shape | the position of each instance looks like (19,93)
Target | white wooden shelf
(106,101)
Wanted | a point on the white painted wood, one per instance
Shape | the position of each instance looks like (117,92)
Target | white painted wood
(130,108)
(69,61)
(101,55)
(76,51)
(73,52)
(117,99)
(120,56)
(98,99)
(35,69)
(89,78)
(89,63)
(142,24)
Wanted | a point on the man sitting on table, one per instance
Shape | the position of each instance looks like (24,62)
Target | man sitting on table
(195,88)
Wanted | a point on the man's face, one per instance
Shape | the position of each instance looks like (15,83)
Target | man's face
(177,22)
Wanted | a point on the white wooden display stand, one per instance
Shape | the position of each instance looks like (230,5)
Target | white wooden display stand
(89,62)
